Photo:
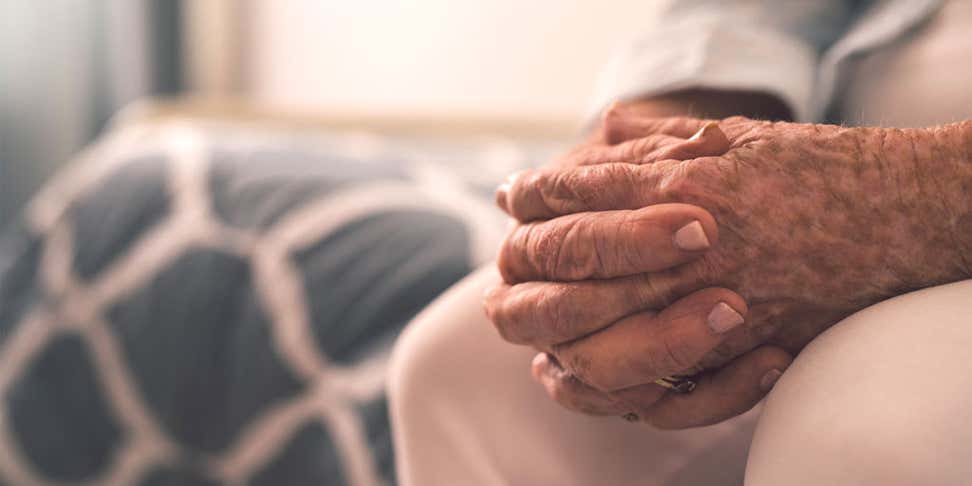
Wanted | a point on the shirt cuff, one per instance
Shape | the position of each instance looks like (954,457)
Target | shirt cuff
(707,53)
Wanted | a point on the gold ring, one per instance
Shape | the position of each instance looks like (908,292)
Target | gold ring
(677,383)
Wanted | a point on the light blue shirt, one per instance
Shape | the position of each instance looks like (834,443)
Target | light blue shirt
(795,49)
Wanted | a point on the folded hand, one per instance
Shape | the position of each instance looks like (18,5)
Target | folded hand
(621,282)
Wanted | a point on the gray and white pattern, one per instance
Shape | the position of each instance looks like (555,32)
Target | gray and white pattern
(195,304)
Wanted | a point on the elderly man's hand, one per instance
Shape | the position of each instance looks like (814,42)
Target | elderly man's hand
(815,223)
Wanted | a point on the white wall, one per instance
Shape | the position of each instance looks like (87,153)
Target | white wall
(441,58)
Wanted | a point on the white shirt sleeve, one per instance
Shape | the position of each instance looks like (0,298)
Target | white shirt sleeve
(757,45)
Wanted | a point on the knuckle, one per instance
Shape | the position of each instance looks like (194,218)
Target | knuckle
(559,192)
(612,124)
(674,355)
(541,194)
(619,252)
(578,364)
(493,298)
(609,186)
(570,395)
(529,316)
(544,246)
(614,173)
(587,188)
(644,179)
(530,252)
(587,371)
(504,264)
(534,181)
(556,312)
(504,326)
(504,331)
(526,192)
(498,312)
(675,182)
(650,294)
(637,148)
(523,197)
(688,181)
(493,309)
(578,256)
(512,251)
(563,249)
(565,391)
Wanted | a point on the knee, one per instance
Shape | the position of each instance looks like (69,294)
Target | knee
(412,375)
(439,352)
(880,398)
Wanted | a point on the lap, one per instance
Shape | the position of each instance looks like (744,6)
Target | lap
(465,411)
(881,398)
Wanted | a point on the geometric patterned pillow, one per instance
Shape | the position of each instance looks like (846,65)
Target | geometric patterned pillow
(215,305)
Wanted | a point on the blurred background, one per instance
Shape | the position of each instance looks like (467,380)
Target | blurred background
(67,66)
(272,190)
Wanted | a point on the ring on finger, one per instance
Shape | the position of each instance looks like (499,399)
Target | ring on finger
(677,383)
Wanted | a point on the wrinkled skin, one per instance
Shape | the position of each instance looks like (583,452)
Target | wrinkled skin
(814,223)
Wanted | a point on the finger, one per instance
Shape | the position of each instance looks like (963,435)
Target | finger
(724,393)
(640,150)
(620,123)
(710,140)
(607,244)
(543,314)
(551,192)
(547,193)
(570,392)
(645,347)
(643,150)
(640,398)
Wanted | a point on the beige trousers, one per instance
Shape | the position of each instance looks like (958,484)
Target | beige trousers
(884,397)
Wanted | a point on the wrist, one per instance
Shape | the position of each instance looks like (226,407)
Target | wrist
(953,144)
(939,169)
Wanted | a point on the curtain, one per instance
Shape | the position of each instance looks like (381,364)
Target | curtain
(65,67)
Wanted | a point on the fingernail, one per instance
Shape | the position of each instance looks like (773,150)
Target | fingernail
(501,194)
(723,318)
(769,379)
(708,127)
(691,237)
